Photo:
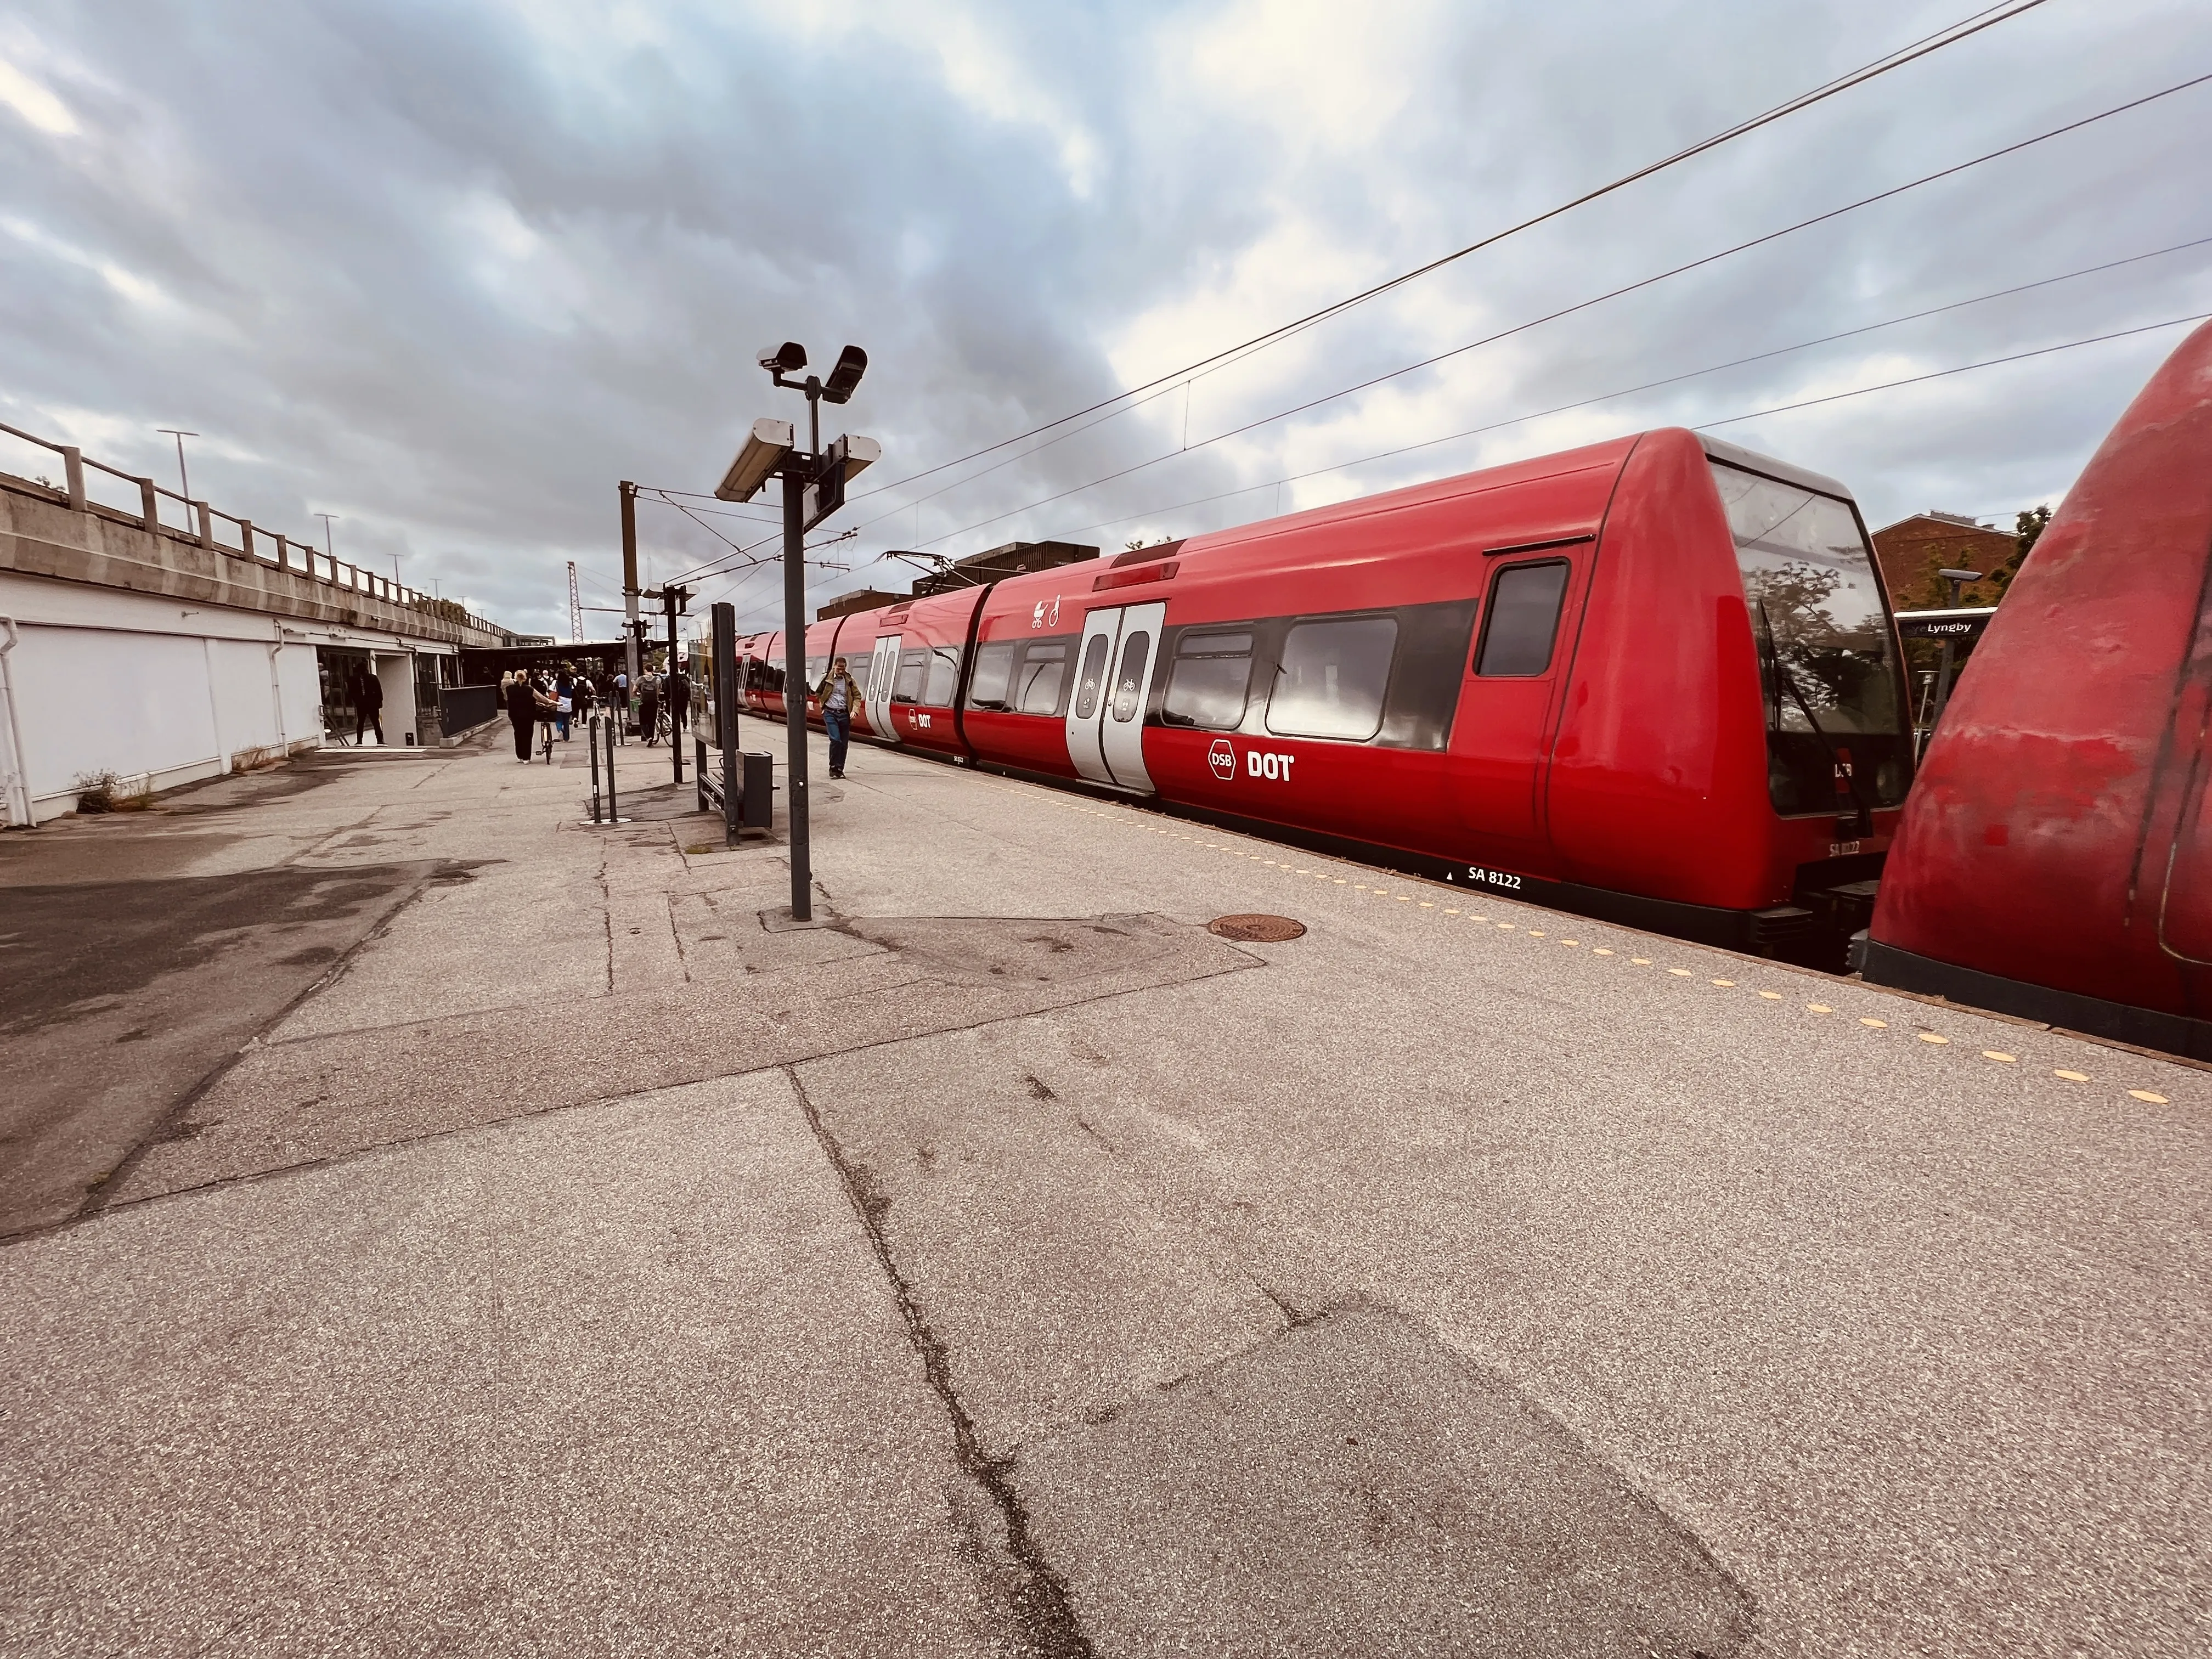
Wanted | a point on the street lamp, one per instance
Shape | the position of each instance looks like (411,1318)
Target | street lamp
(183,480)
(813,487)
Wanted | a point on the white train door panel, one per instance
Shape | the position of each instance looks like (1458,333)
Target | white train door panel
(1121,722)
(883,669)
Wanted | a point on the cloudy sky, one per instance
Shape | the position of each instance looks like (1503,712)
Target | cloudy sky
(449,270)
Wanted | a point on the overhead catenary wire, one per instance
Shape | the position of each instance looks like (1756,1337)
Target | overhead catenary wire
(1647,385)
(1830,214)
(1912,52)
(1963,368)
(1165,383)
(1704,425)
(1964,28)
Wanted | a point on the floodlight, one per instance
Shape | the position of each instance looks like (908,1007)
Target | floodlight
(852,363)
(1961,575)
(858,453)
(766,446)
(785,359)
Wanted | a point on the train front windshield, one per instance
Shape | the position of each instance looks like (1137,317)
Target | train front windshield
(1836,734)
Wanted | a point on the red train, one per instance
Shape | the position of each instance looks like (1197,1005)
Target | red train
(1655,680)
(2056,858)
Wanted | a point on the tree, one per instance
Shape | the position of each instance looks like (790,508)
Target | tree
(2027,530)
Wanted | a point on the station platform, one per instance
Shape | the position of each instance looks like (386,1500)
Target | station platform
(434,1223)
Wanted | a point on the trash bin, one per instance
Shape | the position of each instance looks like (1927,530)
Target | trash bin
(756,805)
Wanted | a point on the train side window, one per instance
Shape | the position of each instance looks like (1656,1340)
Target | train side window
(913,670)
(773,677)
(1129,688)
(817,669)
(994,671)
(1331,679)
(1094,671)
(1524,614)
(944,676)
(1210,679)
(1043,671)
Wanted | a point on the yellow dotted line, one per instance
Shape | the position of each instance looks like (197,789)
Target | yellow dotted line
(1995,1056)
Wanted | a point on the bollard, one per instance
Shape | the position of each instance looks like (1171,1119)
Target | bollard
(733,797)
(700,772)
(614,811)
(592,742)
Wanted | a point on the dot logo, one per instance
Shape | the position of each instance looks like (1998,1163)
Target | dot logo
(1222,757)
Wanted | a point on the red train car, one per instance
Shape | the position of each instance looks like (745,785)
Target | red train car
(2054,861)
(1655,680)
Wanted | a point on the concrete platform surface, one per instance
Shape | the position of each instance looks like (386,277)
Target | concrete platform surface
(504,1235)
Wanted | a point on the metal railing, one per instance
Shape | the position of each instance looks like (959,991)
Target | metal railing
(88,485)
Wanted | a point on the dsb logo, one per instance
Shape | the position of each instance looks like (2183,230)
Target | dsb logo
(1222,757)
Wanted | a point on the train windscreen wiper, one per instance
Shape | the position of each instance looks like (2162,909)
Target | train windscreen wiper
(1788,675)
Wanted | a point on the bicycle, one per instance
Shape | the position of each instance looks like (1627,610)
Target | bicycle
(545,741)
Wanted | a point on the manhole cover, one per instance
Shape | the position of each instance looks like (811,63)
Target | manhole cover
(1257,930)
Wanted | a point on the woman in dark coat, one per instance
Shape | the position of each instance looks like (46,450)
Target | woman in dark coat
(521,699)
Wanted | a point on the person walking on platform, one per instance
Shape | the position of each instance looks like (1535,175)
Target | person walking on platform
(565,700)
(521,699)
(679,703)
(368,706)
(837,694)
(648,703)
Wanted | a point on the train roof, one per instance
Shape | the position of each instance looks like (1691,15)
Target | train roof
(1766,467)
(1610,454)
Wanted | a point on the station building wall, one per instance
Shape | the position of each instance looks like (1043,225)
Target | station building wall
(159,693)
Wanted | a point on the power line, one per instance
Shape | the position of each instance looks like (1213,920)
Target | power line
(1963,368)
(1730,420)
(654,492)
(1609,397)
(1629,392)
(1972,24)
(1951,35)
(1833,213)
(1648,385)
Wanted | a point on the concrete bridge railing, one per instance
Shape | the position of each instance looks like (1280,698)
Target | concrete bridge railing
(186,548)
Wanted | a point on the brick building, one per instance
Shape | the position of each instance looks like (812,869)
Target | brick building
(1910,551)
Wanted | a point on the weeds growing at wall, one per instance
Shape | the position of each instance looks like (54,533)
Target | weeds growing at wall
(103,792)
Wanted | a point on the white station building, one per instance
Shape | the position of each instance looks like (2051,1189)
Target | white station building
(161,652)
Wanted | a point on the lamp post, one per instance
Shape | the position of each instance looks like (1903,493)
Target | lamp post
(813,487)
(675,600)
(632,625)
(183,479)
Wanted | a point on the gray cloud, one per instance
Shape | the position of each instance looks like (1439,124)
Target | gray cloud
(450,271)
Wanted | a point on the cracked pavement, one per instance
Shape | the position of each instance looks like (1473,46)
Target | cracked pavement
(433,1223)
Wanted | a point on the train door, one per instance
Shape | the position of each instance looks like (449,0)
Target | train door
(1501,739)
(1102,632)
(883,669)
(1106,715)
